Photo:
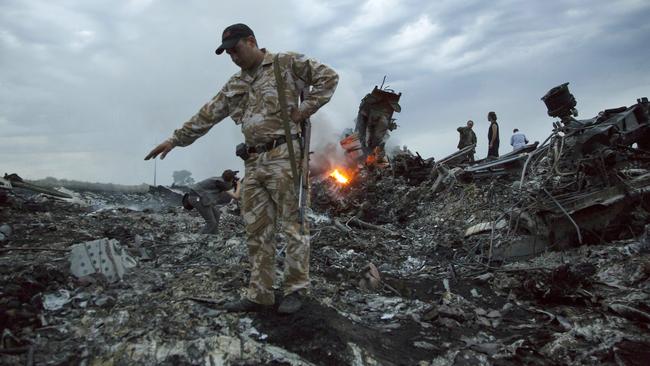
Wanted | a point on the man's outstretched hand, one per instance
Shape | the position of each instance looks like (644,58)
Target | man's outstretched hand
(164,148)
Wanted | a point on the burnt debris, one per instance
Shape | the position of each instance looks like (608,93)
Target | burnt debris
(541,256)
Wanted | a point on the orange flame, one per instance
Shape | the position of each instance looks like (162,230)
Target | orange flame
(340,177)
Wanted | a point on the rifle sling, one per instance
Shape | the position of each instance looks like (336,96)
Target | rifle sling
(285,119)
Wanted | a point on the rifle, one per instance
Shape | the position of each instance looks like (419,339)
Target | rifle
(303,193)
(301,179)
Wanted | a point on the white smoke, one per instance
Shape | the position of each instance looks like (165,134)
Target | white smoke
(326,149)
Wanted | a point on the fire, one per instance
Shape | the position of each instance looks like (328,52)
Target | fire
(340,177)
(371,159)
(377,158)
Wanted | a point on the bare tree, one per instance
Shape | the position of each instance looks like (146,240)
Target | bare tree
(183,178)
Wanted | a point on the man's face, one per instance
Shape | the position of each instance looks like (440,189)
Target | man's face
(470,124)
(242,54)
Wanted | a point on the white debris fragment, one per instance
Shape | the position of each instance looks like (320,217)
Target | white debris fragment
(56,301)
(484,227)
(485,276)
(493,314)
(318,219)
(103,256)
(5,232)
(411,265)
(424,345)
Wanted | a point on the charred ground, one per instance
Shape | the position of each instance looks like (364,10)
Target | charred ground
(418,263)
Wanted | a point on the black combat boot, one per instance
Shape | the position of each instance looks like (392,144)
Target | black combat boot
(291,303)
(244,305)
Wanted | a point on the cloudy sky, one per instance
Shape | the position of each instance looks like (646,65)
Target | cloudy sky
(87,88)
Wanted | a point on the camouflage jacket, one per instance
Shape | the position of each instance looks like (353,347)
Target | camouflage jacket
(252,101)
(467,137)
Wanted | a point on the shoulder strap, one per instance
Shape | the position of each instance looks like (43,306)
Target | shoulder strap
(279,81)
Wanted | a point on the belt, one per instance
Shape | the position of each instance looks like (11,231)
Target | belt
(260,148)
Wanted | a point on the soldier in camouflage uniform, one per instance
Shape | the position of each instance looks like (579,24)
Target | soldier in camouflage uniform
(467,138)
(250,98)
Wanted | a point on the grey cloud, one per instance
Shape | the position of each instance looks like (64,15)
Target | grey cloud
(87,88)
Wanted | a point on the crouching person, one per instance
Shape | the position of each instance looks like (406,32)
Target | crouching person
(209,196)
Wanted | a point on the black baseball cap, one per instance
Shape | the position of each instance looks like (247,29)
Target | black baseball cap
(232,34)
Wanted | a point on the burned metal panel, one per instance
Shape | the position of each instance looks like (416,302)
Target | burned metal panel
(18,182)
(5,184)
(599,214)
(506,165)
(412,167)
(509,164)
(459,157)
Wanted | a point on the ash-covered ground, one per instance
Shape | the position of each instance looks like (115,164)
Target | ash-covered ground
(539,257)
(439,298)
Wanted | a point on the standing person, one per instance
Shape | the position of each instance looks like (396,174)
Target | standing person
(493,136)
(518,140)
(467,138)
(208,196)
(270,195)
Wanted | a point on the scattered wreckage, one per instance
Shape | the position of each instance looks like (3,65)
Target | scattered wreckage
(367,143)
(586,179)
(14,180)
(419,262)
(578,186)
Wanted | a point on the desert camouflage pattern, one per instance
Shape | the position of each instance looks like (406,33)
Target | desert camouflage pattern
(251,100)
(269,197)
(467,137)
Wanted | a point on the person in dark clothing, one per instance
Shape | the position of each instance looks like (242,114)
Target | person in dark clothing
(493,136)
(209,196)
(467,138)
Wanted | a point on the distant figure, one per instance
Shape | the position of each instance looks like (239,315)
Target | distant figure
(493,136)
(375,120)
(467,138)
(209,195)
(518,140)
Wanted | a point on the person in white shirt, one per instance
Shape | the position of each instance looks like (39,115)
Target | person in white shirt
(518,140)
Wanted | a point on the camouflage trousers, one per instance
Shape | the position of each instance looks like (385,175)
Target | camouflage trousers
(270,200)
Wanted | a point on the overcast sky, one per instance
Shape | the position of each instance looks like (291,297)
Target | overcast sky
(88,88)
